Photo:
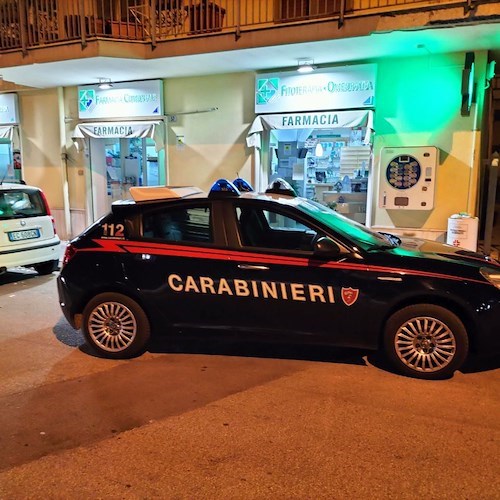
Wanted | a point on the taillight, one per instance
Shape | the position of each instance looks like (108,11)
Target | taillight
(53,224)
(47,209)
(68,254)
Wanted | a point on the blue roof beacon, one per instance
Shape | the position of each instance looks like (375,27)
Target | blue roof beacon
(223,188)
(243,185)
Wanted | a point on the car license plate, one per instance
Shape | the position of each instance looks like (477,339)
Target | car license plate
(25,234)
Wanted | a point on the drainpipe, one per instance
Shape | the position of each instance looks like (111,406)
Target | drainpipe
(490,205)
(64,163)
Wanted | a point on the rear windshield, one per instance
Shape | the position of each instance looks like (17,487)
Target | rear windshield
(19,203)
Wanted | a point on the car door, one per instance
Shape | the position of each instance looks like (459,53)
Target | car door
(293,291)
(179,253)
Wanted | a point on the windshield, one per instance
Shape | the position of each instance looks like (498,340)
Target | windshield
(352,230)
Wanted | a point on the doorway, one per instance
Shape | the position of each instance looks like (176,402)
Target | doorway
(117,164)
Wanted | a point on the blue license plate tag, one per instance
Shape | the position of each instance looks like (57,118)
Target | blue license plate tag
(25,234)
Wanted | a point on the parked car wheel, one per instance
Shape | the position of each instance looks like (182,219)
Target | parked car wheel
(426,341)
(115,326)
(46,267)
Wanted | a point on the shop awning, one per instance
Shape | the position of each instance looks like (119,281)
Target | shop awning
(319,119)
(10,132)
(130,130)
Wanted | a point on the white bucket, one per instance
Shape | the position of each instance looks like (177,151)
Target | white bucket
(462,231)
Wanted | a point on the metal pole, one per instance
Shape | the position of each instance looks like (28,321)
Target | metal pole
(23,30)
(154,21)
(83,29)
(490,205)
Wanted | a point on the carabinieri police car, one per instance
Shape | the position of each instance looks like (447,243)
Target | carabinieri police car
(274,266)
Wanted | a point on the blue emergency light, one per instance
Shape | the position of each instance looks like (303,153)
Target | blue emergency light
(242,185)
(223,188)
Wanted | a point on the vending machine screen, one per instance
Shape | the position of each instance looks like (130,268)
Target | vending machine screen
(403,172)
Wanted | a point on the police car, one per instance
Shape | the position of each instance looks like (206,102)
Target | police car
(274,266)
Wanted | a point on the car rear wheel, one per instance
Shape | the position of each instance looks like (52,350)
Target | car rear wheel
(46,267)
(115,326)
(426,341)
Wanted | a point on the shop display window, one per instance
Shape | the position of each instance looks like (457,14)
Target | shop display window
(10,163)
(330,166)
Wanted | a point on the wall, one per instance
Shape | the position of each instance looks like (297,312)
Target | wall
(214,142)
(40,147)
(418,104)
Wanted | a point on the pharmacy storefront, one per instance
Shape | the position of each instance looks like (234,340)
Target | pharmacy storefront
(315,130)
(122,132)
(10,152)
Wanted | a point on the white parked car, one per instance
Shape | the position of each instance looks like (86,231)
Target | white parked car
(28,235)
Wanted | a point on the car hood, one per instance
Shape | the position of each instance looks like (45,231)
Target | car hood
(436,250)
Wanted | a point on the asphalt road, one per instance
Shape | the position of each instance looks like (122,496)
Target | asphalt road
(202,420)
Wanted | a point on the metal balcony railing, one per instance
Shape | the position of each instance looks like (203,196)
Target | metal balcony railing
(33,23)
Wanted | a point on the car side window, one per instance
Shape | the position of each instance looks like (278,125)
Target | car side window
(271,229)
(179,224)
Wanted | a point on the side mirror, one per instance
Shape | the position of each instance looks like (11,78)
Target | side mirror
(326,247)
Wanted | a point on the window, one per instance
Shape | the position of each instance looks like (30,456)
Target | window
(20,204)
(270,229)
(183,224)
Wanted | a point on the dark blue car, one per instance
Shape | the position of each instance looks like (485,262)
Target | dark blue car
(273,266)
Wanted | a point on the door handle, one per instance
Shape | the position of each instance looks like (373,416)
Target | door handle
(252,267)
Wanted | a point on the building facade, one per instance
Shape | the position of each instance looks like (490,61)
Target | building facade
(398,140)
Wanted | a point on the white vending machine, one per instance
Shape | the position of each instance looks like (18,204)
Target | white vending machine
(408,177)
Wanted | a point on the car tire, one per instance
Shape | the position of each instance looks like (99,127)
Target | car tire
(46,267)
(115,326)
(426,341)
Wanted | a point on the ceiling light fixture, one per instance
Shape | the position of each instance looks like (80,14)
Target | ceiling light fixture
(105,83)
(305,65)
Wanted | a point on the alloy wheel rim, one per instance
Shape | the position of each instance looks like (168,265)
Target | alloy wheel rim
(112,326)
(425,344)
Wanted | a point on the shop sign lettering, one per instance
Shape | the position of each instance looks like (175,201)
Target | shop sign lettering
(305,120)
(127,98)
(330,86)
(113,131)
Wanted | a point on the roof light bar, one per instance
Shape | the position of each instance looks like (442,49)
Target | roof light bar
(280,186)
(242,185)
(223,188)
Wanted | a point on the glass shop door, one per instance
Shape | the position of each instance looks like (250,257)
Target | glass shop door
(116,165)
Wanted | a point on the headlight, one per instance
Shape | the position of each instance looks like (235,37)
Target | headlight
(492,275)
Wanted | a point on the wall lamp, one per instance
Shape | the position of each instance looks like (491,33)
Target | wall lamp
(105,83)
(468,89)
(305,65)
(490,73)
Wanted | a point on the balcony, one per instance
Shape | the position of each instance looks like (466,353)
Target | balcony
(32,24)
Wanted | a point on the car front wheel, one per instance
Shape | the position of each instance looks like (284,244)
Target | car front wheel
(115,326)
(426,341)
